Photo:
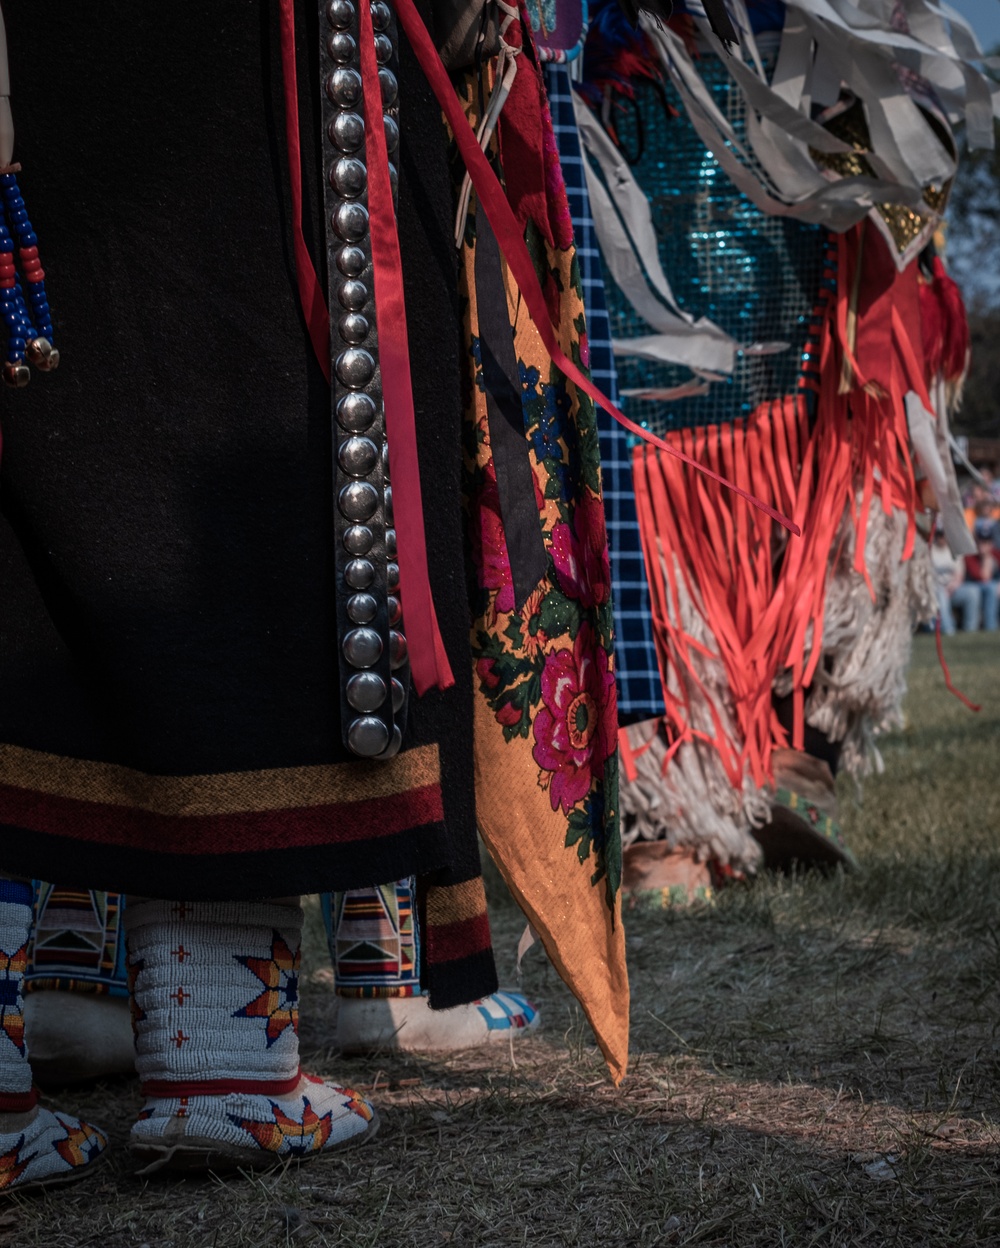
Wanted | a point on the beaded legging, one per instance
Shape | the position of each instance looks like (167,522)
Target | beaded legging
(78,944)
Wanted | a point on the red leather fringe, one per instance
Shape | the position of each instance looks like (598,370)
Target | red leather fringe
(762,593)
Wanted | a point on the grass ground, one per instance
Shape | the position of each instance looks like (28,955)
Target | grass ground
(814,1062)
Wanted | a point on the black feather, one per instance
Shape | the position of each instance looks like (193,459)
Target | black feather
(718,17)
(660,9)
(631,10)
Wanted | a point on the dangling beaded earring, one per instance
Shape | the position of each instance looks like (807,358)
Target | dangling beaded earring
(28,321)
(29,333)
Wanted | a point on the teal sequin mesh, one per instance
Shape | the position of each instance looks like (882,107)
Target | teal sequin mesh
(756,276)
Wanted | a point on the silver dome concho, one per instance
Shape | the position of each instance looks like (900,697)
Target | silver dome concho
(372,645)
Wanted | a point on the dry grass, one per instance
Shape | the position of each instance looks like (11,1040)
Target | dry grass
(815,1062)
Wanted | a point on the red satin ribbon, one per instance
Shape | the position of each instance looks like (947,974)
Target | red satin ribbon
(310,291)
(428,661)
(494,202)
(973,706)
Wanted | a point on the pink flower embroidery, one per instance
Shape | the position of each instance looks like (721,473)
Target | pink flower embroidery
(575,728)
(580,553)
(486,673)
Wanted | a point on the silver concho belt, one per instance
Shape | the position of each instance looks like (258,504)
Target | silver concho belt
(374,672)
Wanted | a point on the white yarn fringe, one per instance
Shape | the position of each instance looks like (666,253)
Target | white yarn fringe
(860,682)
(692,804)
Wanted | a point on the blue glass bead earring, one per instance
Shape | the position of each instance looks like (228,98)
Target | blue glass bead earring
(24,305)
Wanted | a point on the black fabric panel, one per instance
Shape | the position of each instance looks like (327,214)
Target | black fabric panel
(437,336)
(529,560)
(170,484)
(166,495)
(230,877)
(454,983)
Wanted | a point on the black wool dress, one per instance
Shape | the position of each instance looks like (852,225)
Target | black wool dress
(169,689)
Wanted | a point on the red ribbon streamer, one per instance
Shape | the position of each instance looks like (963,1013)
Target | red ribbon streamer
(428,660)
(494,201)
(310,291)
(973,706)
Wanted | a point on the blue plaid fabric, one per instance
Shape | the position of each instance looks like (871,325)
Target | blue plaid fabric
(640,694)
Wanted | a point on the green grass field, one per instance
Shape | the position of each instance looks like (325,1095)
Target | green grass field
(814,1062)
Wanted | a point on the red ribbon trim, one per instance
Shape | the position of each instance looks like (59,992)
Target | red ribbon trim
(310,291)
(973,706)
(501,217)
(428,660)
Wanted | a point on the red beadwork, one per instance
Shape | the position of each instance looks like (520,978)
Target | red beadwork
(29,253)
(18,1102)
(220,1087)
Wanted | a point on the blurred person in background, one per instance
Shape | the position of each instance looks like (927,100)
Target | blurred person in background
(976,597)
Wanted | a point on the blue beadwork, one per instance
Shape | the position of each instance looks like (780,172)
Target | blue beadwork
(24,323)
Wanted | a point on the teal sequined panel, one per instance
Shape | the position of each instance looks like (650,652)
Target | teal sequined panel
(756,276)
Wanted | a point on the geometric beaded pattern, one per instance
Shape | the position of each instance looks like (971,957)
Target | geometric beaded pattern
(305,1131)
(78,942)
(507,1011)
(818,819)
(47,1150)
(15,925)
(374,940)
(215,989)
